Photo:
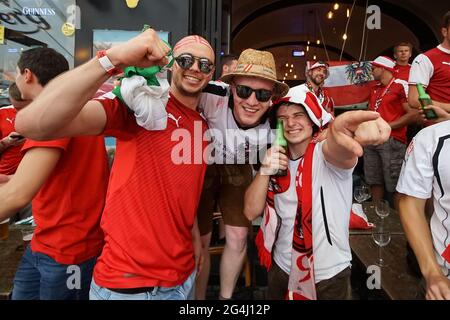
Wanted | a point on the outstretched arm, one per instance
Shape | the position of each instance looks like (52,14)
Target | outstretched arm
(33,171)
(62,108)
(412,215)
(349,132)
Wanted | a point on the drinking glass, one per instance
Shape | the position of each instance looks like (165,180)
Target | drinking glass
(382,237)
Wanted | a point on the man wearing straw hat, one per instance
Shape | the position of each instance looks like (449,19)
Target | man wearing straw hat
(236,111)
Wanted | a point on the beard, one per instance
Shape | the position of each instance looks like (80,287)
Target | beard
(317,82)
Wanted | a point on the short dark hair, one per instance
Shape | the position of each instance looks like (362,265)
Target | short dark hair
(446,20)
(403,44)
(45,63)
(14,92)
(227,59)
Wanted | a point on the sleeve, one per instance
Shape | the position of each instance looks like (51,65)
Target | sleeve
(120,121)
(421,70)
(416,175)
(59,144)
(403,90)
(213,97)
(339,173)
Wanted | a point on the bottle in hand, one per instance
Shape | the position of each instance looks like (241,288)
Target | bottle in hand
(425,100)
(280,140)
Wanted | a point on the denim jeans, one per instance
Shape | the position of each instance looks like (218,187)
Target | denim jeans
(184,291)
(40,277)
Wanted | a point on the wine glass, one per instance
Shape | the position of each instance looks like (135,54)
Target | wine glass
(382,237)
(361,193)
(382,209)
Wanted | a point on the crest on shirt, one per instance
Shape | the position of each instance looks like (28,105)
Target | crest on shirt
(409,150)
(359,73)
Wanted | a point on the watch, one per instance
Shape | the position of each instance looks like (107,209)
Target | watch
(107,64)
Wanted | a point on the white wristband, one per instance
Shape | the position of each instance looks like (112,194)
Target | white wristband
(106,64)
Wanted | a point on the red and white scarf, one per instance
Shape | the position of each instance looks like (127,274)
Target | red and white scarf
(301,278)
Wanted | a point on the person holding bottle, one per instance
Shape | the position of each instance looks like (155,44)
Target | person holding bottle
(304,237)
(432,70)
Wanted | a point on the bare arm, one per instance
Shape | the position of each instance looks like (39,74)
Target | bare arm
(413,100)
(409,117)
(412,215)
(255,196)
(349,132)
(33,171)
(62,108)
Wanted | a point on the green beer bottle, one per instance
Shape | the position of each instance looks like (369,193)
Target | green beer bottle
(425,100)
(280,141)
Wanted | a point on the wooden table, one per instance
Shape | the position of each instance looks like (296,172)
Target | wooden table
(11,252)
(397,280)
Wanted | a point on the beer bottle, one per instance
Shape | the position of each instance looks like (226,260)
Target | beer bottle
(425,100)
(280,141)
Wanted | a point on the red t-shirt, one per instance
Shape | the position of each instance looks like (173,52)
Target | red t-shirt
(391,107)
(402,72)
(152,200)
(432,69)
(68,207)
(10,157)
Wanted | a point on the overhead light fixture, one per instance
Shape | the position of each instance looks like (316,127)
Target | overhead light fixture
(336,6)
(296,53)
(314,58)
(287,65)
(292,66)
(344,36)
(285,74)
(330,14)
(307,48)
(290,70)
(348,13)
(318,41)
(309,42)
(132,3)
(295,76)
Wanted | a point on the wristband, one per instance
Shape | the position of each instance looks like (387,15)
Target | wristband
(106,63)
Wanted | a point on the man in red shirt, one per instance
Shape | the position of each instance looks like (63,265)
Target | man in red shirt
(432,69)
(382,163)
(10,141)
(61,177)
(402,54)
(156,180)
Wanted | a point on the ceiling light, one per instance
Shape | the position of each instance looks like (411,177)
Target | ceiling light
(330,15)
(344,36)
(336,6)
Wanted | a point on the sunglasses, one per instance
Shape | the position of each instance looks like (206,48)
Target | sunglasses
(262,95)
(187,60)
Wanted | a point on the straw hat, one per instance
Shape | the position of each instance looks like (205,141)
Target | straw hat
(258,64)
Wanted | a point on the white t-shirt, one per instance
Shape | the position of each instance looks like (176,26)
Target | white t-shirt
(233,145)
(426,173)
(330,220)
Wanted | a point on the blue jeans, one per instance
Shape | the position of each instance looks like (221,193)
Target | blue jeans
(184,291)
(41,277)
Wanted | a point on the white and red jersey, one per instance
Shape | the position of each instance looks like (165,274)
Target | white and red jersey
(402,72)
(232,143)
(331,195)
(153,195)
(432,69)
(425,174)
(10,157)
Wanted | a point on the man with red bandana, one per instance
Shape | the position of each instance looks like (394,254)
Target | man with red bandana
(151,235)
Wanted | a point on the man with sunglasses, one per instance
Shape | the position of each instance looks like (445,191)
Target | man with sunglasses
(236,111)
(316,75)
(151,234)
